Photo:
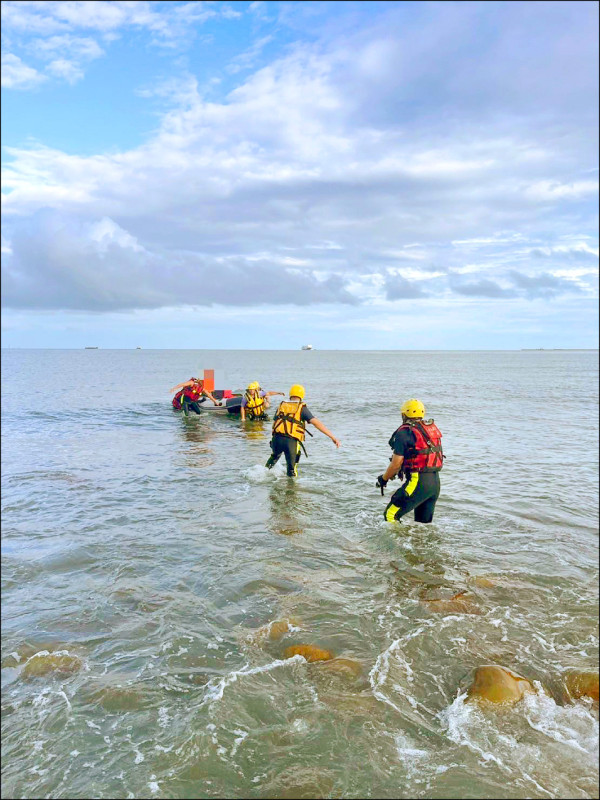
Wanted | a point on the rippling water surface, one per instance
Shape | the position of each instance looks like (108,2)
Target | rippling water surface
(157,550)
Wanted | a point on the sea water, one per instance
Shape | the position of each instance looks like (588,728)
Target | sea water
(155,553)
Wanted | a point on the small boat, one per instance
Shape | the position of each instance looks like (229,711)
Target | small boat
(306,347)
(91,348)
(231,401)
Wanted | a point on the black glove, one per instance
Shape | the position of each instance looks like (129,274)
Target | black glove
(382,483)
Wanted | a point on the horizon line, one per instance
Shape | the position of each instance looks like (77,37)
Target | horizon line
(326,349)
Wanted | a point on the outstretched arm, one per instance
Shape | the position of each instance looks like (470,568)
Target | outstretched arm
(270,394)
(242,413)
(180,386)
(211,397)
(320,427)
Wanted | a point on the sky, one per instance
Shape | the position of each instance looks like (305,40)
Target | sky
(263,175)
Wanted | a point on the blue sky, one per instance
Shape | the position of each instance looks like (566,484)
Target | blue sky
(361,175)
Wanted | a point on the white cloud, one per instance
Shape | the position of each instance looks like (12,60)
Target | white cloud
(556,190)
(248,58)
(296,182)
(258,7)
(56,23)
(61,68)
(17,75)
(81,47)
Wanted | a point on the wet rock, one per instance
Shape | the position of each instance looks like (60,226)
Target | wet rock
(582,684)
(460,603)
(10,661)
(496,684)
(118,698)
(418,576)
(44,663)
(345,667)
(481,582)
(25,650)
(307,651)
(275,630)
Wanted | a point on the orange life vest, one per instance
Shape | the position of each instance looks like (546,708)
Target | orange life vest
(288,420)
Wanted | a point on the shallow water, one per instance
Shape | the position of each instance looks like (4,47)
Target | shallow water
(156,549)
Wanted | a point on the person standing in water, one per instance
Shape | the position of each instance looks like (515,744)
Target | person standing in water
(191,394)
(255,402)
(289,429)
(417,455)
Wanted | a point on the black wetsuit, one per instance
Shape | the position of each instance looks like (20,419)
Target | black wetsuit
(289,447)
(188,405)
(419,491)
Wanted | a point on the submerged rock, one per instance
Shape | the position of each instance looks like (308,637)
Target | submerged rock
(118,698)
(44,662)
(346,667)
(26,650)
(274,630)
(307,651)
(419,576)
(582,684)
(482,582)
(498,685)
(460,603)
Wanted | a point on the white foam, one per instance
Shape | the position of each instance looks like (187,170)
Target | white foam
(379,673)
(458,718)
(163,717)
(214,692)
(241,736)
(411,757)
(260,474)
(573,726)
(300,726)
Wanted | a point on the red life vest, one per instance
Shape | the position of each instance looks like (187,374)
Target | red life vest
(426,454)
(193,392)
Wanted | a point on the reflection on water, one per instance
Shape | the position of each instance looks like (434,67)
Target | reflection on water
(258,429)
(197,432)
(286,516)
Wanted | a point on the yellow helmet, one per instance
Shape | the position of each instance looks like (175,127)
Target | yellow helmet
(297,391)
(413,409)
(253,385)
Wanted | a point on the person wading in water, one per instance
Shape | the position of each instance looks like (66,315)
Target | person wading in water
(289,428)
(192,393)
(417,448)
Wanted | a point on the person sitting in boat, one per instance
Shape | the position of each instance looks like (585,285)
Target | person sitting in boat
(189,396)
(255,402)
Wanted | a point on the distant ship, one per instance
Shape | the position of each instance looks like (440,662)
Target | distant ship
(91,348)
(138,348)
(306,347)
